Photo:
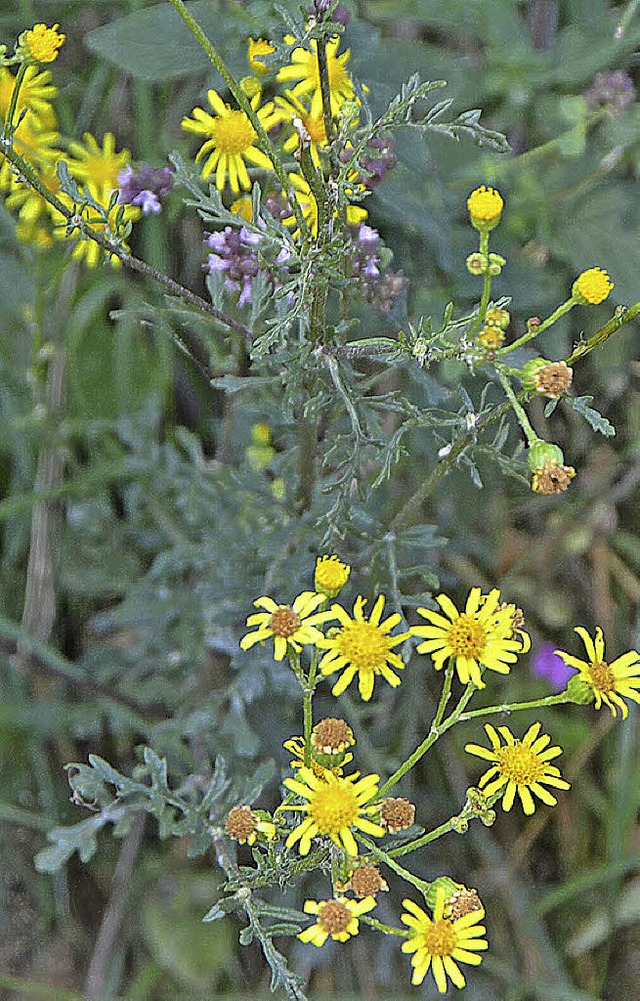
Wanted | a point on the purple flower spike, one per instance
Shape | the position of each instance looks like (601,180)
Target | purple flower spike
(546,664)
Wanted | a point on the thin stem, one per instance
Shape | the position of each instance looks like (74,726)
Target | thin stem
(385,929)
(486,288)
(7,130)
(549,700)
(325,89)
(434,734)
(536,331)
(382,856)
(445,694)
(267,146)
(425,839)
(518,409)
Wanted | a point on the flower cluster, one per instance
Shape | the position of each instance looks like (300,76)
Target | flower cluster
(235,254)
(377,284)
(145,187)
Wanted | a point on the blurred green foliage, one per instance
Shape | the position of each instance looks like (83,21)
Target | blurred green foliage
(155,534)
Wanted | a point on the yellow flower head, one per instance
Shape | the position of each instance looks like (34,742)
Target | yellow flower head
(481,636)
(39,146)
(289,625)
(611,683)
(355,214)
(258,48)
(336,807)
(485,208)
(591,287)
(41,43)
(230,139)
(290,108)
(35,214)
(520,766)
(363,647)
(440,943)
(337,917)
(36,94)
(97,166)
(331,575)
(242,206)
(304,68)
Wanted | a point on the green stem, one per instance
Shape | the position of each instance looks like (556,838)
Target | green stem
(536,331)
(434,734)
(550,700)
(486,289)
(265,143)
(7,131)
(325,89)
(385,929)
(445,694)
(517,407)
(621,317)
(382,856)
(425,839)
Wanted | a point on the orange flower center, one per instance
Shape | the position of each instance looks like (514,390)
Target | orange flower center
(440,938)
(233,133)
(467,637)
(334,916)
(602,677)
(334,807)
(284,622)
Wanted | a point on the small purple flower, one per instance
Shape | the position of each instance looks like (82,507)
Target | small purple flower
(145,187)
(236,255)
(546,664)
(376,284)
(612,89)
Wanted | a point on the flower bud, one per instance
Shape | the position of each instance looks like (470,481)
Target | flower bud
(485,208)
(591,287)
(450,887)
(542,453)
(579,691)
(477,263)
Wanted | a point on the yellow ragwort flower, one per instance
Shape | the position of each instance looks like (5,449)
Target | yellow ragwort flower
(41,43)
(230,139)
(336,807)
(290,108)
(331,575)
(35,214)
(355,214)
(591,287)
(520,766)
(36,94)
(481,636)
(440,943)
(363,647)
(88,250)
(97,166)
(611,683)
(337,917)
(485,207)
(255,49)
(304,68)
(289,625)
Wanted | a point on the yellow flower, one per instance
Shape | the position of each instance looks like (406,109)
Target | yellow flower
(441,943)
(289,107)
(39,146)
(304,68)
(355,214)
(481,636)
(609,682)
(591,287)
(88,250)
(336,806)
(258,48)
(42,43)
(331,575)
(485,208)
(362,647)
(290,625)
(35,214)
(520,766)
(97,166)
(337,917)
(230,139)
(242,206)
(36,94)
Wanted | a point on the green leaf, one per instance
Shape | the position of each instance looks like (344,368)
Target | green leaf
(599,423)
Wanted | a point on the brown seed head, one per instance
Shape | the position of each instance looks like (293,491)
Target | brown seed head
(554,379)
(552,478)
(284,622)
(334,916)
(241,823)
(533,322)
(366,881)
(397,814)
(462,902)
(331,736)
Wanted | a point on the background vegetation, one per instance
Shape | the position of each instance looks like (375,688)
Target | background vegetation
(135,532)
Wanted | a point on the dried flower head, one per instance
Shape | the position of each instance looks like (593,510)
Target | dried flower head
(243,825)
(463,901)
(397,814)
(332,736)
(552,478)
(366,881)
(338,918)
(547,378)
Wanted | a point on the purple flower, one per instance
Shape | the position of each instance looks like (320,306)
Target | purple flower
(236,255)
(546,664)
(145,187)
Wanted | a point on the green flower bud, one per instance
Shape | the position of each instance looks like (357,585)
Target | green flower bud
(580,691)
(477,263)
(450,887)
(543,453)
